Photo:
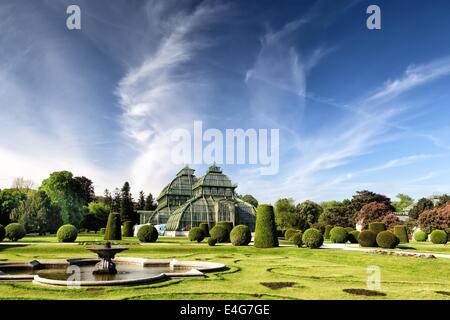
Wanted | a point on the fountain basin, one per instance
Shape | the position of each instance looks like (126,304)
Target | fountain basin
(130,271)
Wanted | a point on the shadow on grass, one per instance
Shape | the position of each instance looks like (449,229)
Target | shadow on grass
(365,292)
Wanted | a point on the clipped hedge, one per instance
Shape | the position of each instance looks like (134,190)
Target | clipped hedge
(353,236)
(220,234)
(240,235)
(296,239)
(205,227)
(289,233)
(212,242)
(402,233)
(127,230)
(367,238)
(439,237)
(113,227)
(312,238)
(377,227)
(102,231)
(15,231)
(338,235)
(2,233)
(196,234)
(228,226)
(387,240)
(326,234)
(148,233)
(265,231)
(420,236)
(67,233)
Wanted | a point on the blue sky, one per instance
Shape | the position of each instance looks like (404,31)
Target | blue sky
(357,109)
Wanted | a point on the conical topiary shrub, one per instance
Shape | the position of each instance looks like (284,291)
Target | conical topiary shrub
(265,231)
(128,228)
(113,231)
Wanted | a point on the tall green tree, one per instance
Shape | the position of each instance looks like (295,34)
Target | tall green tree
(337,213)
(126,204)
(285,215)
(141,201)
(9,200)
(308,213)
(405,201)
(97,216)
(150,203)
(37,213)
(64,191)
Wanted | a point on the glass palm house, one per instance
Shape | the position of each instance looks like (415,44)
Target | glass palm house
(188,201)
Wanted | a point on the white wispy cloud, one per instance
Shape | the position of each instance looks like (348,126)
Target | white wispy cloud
(414,76)
(162,93)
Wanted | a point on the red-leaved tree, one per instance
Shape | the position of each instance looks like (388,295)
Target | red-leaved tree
(435,219)
(372,212)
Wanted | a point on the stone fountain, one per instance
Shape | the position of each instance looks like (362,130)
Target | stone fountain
(106,254)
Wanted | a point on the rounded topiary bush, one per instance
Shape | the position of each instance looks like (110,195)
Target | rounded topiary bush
(205,227)
(296,239)
(15,231)
(388,240)
(219,233)
(402,233)
(127,230)
(312,238)
(102,231)
(420,236)
(67,233)
(265,230)
(2,233)
(367,238)
(240,235)
(439,237)
(147,233)
(326,234)
(377,227)
(227,226)
(212,242)
(196,234)
(353,236)
(289,233)
(338,235)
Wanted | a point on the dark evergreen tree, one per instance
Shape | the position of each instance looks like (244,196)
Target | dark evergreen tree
(107,198)
(141,202)
(150,204)
(126,204)
(116,200)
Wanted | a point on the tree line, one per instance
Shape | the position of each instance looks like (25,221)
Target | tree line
(66,199)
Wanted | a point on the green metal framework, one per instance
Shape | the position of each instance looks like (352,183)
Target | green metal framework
(188,201)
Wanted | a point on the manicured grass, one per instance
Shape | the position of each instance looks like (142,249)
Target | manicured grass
(317,274)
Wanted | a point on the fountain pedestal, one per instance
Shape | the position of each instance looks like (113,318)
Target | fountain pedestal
(106,254)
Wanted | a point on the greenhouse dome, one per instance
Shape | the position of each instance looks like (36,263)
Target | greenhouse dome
(187,201)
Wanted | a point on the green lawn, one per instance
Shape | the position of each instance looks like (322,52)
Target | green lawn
(314,274)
